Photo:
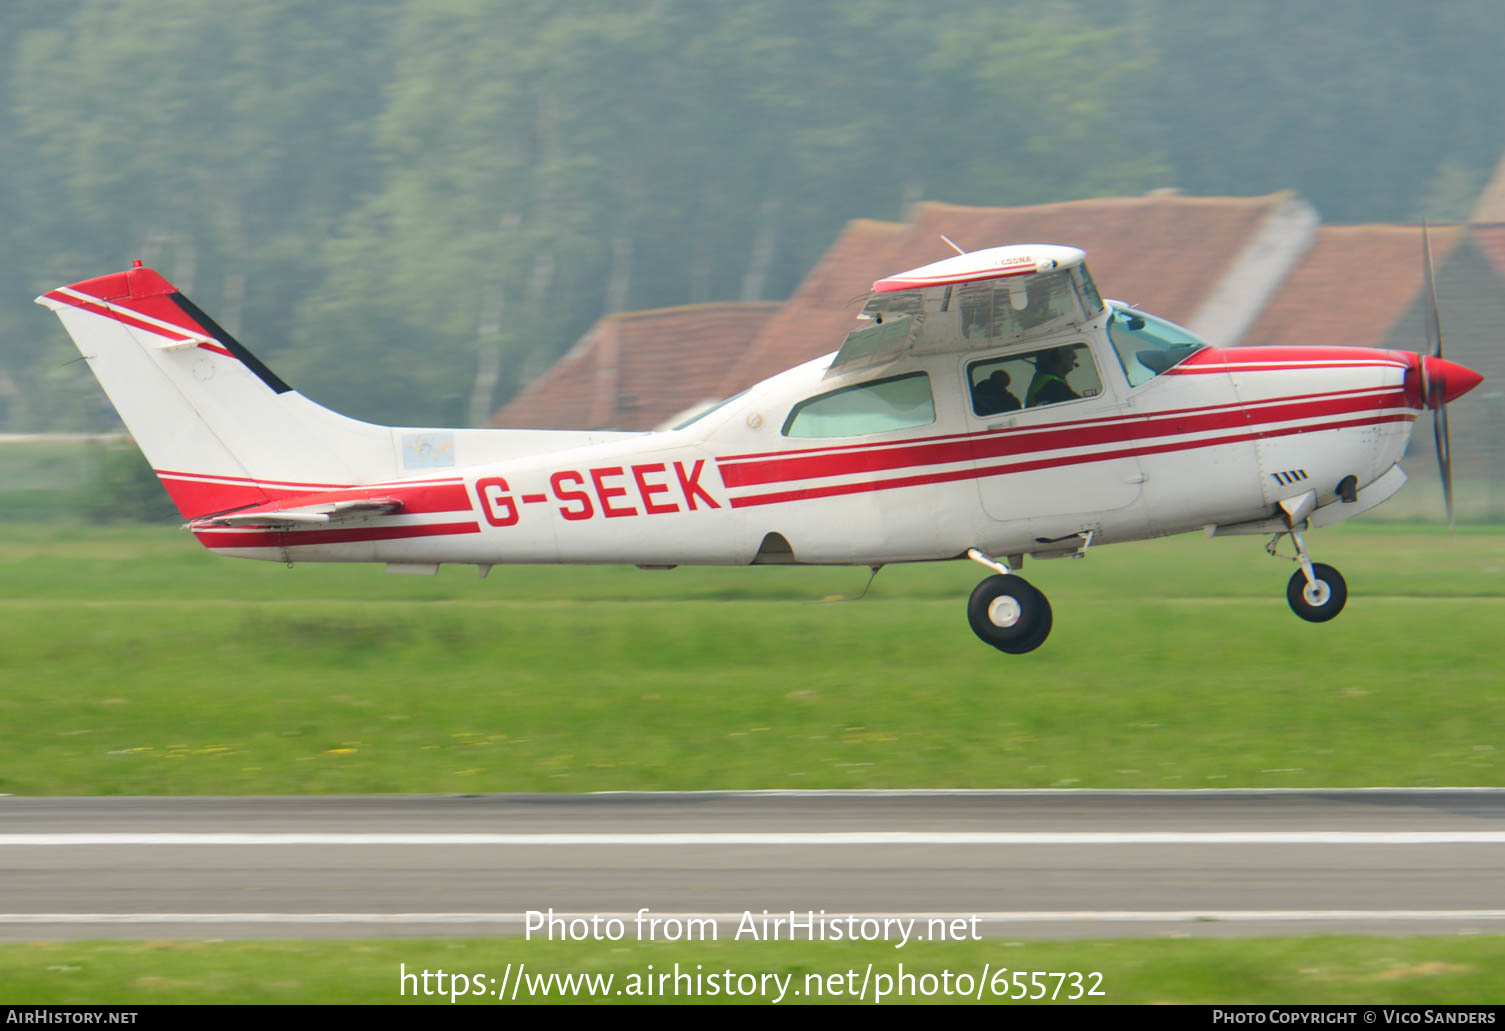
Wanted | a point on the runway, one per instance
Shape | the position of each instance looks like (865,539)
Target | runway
(1026,864)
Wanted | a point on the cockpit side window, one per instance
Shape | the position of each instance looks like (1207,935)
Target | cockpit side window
(895,403)
(1148,345)
(1033,379)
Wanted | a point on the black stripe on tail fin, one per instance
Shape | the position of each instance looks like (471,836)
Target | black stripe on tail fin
(235,347)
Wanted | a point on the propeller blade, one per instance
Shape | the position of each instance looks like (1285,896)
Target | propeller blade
(1433,324)
(1444,461)
(1440,408)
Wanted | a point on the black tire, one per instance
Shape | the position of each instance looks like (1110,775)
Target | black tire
(1336,590)
(1043,623)
(1026,614)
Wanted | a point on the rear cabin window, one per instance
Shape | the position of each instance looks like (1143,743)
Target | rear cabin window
(886,404)
(1033,379)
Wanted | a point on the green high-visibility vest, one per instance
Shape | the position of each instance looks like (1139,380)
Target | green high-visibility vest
(1038,384)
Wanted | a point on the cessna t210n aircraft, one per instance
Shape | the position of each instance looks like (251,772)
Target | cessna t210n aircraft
(992,405)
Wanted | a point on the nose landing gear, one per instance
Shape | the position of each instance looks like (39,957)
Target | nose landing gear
(1316,592)
(1007,611)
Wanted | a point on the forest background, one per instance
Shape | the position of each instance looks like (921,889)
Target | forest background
(410,208)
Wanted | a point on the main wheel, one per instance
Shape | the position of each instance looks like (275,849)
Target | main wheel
(1008,613)
(1320,601)
(1043,624)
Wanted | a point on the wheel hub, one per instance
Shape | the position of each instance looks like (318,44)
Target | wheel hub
(1004,612)
(1316,593)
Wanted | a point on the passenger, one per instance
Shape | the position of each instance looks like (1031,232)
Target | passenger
(1049,384)
(992,395)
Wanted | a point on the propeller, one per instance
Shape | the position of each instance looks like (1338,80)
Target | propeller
(1439,405)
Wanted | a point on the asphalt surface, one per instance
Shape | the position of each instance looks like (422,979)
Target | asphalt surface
(1048,864)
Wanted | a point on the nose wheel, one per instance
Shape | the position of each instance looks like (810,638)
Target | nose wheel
(1319,599)
(1316,592)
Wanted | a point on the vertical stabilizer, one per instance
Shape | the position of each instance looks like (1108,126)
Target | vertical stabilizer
(219,427)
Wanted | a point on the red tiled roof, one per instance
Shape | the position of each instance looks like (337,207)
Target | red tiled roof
(633,370)
(1491,240)
(823,309)
(1351,288)
(1490,207)
(1164,253)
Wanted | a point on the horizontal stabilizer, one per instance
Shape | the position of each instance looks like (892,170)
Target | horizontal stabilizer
(305,515)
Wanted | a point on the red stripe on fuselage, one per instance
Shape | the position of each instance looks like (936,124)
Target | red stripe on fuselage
(1203,370)
(301,538)
(198,495)
(1064,424)
(195,498)
(953,475)
(441,497)
(998,444)
(303,487)
(1341,357)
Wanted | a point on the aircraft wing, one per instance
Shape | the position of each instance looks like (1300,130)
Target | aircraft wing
(1002,294)
(304,515)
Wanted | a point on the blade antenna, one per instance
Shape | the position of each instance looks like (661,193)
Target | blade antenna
(873,576)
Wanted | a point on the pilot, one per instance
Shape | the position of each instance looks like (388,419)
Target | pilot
(1049,383)
(992,395)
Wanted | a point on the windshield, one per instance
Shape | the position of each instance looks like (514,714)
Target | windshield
(1146,344)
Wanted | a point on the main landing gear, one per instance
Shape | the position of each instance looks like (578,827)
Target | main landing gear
(1007,611)
(1316,592)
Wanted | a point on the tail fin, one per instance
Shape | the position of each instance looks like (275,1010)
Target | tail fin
(221,429)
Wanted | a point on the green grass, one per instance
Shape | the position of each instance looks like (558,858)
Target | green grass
(1315,970)
(133,662)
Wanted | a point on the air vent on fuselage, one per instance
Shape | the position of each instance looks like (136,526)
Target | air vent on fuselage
(1290,476)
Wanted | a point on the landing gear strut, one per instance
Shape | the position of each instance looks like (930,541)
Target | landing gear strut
(1007,611)
(1316,592)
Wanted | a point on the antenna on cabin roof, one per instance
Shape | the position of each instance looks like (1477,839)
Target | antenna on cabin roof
(952,244)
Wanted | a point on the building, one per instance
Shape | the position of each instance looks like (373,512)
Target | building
(638,370)
(1208,262)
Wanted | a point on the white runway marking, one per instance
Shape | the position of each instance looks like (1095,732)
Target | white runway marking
(1022,917)
(737,838)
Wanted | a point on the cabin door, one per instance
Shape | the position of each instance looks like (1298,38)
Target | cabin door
(1048,440)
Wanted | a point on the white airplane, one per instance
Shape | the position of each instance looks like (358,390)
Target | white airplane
(993,406)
